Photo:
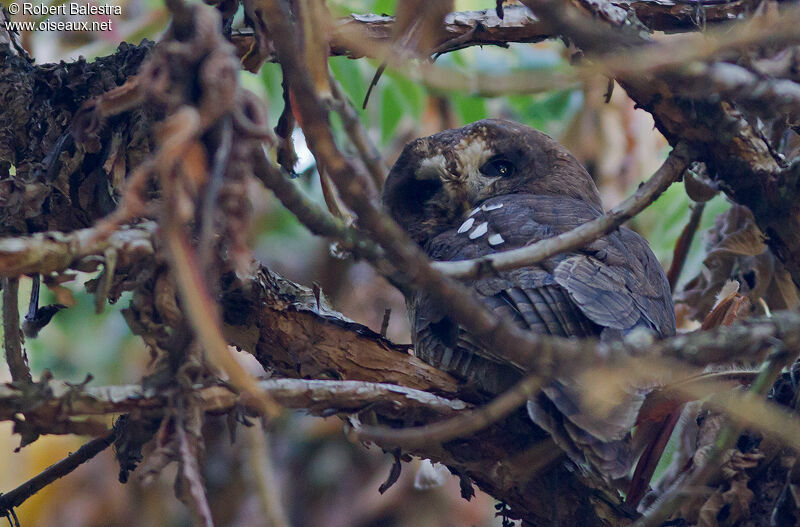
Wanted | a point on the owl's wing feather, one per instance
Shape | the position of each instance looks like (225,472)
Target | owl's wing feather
(617,293)
(607,289)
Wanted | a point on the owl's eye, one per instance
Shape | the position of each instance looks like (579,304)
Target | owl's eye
(498,167)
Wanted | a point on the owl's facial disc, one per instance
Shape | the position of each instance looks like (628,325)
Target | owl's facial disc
(466,170)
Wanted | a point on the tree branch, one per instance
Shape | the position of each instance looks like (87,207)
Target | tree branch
(462,425)
(12,337)
(478,28)
(481,28)
(735,153)
(578,237)
(16,497)
(54,251)
(683,245)
(320,397)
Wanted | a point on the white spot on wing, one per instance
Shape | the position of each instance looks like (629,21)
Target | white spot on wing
(495,239)
(495,206)
(474,212)
(479,231)
(467,225)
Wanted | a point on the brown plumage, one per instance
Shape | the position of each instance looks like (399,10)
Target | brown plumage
(497,185)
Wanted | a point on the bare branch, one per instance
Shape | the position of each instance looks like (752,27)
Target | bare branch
(518,25)
(317,396)
(462,425)
(478,28)
(358,135)
(17,497)
(49,252)
(12,337)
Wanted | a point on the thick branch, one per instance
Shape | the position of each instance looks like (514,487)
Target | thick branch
(477,28)
(54,251)
(317,396)
(470,28)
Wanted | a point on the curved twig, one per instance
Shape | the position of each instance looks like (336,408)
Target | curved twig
(647,193)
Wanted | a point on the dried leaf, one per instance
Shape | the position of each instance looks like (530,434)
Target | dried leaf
(736,251)
(729,304)
(262,43)
(782,293)
(710,510)
(163,453)
(699,187)
(747,241)
(63,295)
(166,300)
(394,473)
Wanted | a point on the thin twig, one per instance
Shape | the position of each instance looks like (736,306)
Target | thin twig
(266,482)
(369,153)
(462,425)
(316,219)
(12,338)
(387,314)
(17,497)
(578,237)
(216,179)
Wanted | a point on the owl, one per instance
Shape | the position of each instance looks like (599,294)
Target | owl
(496,185)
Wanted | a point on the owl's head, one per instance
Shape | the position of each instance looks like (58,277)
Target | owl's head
(438,179)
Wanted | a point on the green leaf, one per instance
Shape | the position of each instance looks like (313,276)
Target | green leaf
(352,78)
(381,7)
(469,109)
(271,77)
(412,93)
(391,111)
(539,111)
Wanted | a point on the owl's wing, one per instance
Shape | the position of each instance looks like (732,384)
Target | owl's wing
(607,289)
(528,296)
(618,283)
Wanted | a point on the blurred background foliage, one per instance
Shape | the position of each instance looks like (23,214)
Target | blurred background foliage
(323,480)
